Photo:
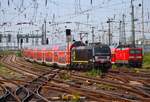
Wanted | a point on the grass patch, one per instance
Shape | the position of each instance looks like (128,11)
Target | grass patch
(9,73)
(6,52)
(146,60)
(106,87)
(114,66)
(64,76)
(94,72)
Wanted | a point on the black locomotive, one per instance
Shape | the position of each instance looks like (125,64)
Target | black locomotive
(94,55)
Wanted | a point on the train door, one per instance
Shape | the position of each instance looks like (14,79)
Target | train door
(48,56)
(55,56)
(39,55)
(32,54)
(67,57)
(62,59)
(35,54)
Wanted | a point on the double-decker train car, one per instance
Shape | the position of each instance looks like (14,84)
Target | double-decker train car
(128,55)
(28,53)
(76,55)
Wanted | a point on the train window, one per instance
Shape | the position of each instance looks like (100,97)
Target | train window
(135,51)
(102,50)
(55,53)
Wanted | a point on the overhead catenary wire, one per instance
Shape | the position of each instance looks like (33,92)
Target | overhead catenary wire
(82,11)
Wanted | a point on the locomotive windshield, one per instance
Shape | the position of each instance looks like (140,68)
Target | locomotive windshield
(102,50)
(135,51)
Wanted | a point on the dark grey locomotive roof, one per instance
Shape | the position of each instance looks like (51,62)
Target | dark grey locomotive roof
(78,43)
(91,46)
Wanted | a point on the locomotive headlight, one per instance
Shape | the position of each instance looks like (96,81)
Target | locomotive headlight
(96,57)
(131,56)
(138,56)
(108,57)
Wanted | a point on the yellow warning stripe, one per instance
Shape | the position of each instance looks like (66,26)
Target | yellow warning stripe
(81,61)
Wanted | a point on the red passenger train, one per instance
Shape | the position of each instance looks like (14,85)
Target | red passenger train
(77,55)
(124,54)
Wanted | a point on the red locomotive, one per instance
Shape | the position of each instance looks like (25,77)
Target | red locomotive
(77,55)
(124,54)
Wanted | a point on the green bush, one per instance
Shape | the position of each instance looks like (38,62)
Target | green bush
(18,54)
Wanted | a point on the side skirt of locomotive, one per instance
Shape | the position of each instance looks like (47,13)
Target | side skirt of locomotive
(89,65)
(129,63)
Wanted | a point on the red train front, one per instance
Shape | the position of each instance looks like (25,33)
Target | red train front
(127,55)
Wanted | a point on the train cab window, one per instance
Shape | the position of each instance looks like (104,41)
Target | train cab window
(99,50)
(135,51)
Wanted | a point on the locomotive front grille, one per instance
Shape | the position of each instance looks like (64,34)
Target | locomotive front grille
(102,57)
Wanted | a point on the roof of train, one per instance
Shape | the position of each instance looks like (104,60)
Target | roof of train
(54,47)
(46,47)
(91,46)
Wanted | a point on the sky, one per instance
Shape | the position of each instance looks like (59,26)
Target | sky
(82,15)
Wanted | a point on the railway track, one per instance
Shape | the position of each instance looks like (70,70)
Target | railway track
(33,67)
(80,89)
(6,61)
(21,94)
(35,86)
(120,87)
(8,95)
(88,92)
(134,73)
(32,90)
(127,87)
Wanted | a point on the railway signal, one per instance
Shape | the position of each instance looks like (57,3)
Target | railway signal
(68,35)
(109,31)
